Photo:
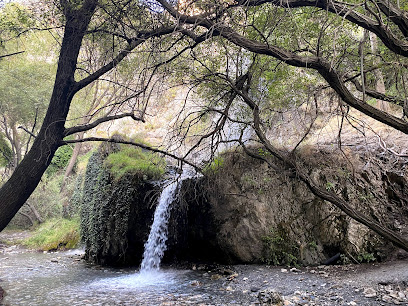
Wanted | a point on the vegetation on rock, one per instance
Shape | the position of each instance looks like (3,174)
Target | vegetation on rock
(135,162)
(55,234)
(111,201)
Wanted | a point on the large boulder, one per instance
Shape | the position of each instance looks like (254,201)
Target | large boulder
(244,211)
(116,214)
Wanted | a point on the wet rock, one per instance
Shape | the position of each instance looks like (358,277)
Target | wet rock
(195,283)
(386,298)
(226,271)
(216,277)
(233,276)
(369,292)
(270,296)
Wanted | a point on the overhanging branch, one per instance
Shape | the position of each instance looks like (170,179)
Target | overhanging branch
(136,144)
(87,127)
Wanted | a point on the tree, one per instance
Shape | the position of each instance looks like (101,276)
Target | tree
(24,92)
(78,22)
(251,25)
(247,33)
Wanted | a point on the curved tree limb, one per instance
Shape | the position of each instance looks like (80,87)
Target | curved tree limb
(87,127)
(319,64)
(343,205)
(347,11)
(136,144)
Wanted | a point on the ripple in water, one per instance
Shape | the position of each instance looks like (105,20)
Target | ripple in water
(152,278)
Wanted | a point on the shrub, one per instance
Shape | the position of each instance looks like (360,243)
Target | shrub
(6,154)
(279,249)
(60,159)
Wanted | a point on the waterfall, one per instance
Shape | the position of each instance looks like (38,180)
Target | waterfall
(156,243)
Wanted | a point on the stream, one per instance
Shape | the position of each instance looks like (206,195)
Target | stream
(34,278)
(63,278)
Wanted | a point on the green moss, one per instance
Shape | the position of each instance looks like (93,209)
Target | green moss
(135,162)
(105,209)
(55,234)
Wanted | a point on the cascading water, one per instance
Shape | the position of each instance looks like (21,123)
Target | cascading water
(156,243)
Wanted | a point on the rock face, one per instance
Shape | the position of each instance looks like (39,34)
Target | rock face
(243,211)
(247,212)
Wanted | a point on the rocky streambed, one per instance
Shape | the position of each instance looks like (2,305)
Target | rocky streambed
(63,278)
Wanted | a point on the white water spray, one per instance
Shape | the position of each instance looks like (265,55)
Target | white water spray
(156,243)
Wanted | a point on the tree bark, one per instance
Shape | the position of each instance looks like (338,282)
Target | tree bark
(27,175)
(379,79)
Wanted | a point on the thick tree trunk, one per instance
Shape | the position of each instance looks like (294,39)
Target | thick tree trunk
(27,175)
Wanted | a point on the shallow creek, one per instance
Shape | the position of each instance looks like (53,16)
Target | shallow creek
(32,278)
(63,278)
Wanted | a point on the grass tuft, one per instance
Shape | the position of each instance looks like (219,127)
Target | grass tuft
(55,234)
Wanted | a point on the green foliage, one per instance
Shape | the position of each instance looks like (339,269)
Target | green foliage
(330,186)
(25,88)
(366,257)
(55,234)
(14,19)
(6,154)
(279,249)
(214,166)
(135,162)
(262,152)
(60,159)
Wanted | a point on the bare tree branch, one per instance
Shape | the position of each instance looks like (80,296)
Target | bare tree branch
(132,44)
(87,127)
(11,54)
(136,144)
(27,131)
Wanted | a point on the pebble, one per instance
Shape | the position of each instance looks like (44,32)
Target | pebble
(195,283)
(369,292)
(216,277)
